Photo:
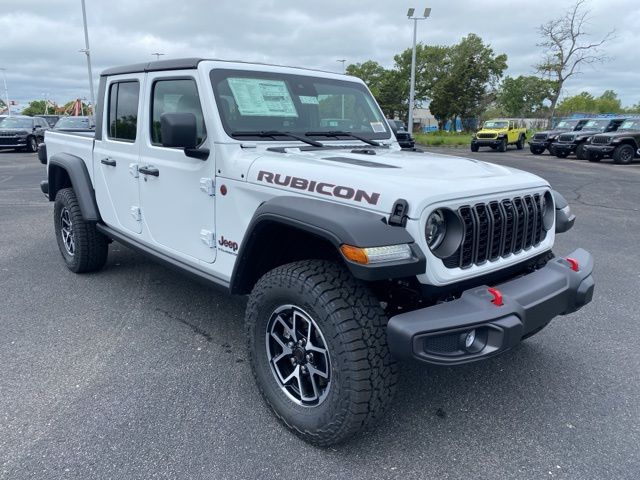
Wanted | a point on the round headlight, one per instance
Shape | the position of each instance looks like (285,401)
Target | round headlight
(436,229)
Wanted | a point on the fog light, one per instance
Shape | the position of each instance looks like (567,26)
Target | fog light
(469,339)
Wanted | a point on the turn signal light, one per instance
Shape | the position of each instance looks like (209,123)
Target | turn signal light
(373,255)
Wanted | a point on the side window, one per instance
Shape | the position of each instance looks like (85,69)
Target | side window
(179,96)
(123,110)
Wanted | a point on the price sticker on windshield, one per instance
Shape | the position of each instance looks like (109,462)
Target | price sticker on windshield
(262,98)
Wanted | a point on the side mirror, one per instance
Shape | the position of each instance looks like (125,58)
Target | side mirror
(179,130)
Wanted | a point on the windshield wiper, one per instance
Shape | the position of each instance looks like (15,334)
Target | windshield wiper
(275,133)
(337,133)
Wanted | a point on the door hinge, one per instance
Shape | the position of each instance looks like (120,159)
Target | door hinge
(133,170)
(208,238)
(208,186)
(136,213)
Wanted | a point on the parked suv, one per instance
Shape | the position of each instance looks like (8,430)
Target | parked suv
(404,138)
(621,145)
(355,254)
(575,142)
(546,139)
(22,132)
(498,134)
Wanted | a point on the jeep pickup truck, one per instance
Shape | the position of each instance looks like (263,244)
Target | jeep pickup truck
(576,142)
(498,134)
(545,140)
(355,255)
(621,145)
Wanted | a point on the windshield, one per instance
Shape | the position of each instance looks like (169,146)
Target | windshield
(73,122)
(13,122)
(596,124)
(630,125)
(495,124)
(567,124)
(266,102)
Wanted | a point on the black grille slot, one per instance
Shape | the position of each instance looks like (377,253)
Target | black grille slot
(498,229)
(601,139)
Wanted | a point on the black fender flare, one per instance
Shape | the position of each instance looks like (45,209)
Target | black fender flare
(564,218)
(80,179)
(338,224)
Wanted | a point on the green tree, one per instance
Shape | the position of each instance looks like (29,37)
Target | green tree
(584,102)
(370,72)
(35,107)
(524,96)
(633,109)
(609,102)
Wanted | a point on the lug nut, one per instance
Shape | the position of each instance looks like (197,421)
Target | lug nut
(293,360)
(301,342)
(303,369)
(310,357)
(290,344)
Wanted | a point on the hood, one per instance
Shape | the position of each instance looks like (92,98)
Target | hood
(620,133)
(376,181)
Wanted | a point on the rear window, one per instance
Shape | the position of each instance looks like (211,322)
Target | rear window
(123,110)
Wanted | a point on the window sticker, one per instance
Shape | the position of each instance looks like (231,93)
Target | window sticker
(262,98)
(306,100)
(378,127)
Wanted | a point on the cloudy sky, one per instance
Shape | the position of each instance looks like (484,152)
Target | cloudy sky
(40,39)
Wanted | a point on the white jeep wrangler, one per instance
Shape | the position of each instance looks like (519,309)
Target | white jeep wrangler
(288,185)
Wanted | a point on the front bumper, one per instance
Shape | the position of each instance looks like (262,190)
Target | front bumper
(600,149)
(437,334)
(540,143)
(564,147)
(487,142)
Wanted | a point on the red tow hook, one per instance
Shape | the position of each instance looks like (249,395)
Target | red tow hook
(497,296)
(574,264)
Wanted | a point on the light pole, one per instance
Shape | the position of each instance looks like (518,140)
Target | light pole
(158,55)
(87,52)
(412,89)
(6,91)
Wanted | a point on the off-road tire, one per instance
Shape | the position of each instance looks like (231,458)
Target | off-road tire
(594,157)
(536,150)
(581,152)
(623,154)
(32,144)
(520,142)
(561,154)
(90,247)
(503,145)
(474,147)
(363,374)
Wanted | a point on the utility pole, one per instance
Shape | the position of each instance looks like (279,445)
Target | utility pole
(158,55)
(412,90)
(6,91)
(87,51)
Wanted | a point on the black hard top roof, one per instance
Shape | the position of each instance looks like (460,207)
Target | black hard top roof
(180,64)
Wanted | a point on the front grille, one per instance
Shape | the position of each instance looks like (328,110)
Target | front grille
(486,135)
(7,134)
(601,139)
(565,138)
(498,229)
(540,136)
(8,141)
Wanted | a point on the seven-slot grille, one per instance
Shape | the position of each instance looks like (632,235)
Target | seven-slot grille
(566,138)
(540,136)
(601,139)
(498,229)
(486,135)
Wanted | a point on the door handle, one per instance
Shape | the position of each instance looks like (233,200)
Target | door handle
(108,161)
(148,170)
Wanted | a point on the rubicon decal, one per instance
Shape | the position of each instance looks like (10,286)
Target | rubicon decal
(231,245)
(329,189)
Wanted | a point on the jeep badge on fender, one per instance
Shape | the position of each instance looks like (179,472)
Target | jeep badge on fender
(355,254)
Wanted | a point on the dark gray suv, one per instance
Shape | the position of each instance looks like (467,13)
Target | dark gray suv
(22,133)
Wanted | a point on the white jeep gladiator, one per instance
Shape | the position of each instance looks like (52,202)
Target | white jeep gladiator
(288,185)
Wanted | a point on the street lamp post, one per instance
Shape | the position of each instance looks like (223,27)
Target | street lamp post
(158,55)
(6,91)
(87,51)
(412,89)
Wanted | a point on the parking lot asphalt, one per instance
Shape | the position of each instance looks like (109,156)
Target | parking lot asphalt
(139,372)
